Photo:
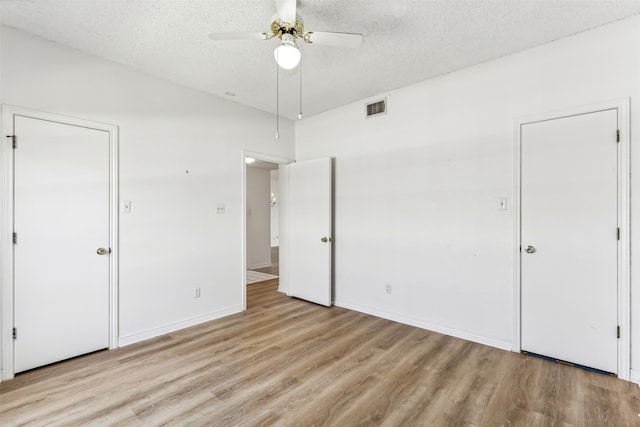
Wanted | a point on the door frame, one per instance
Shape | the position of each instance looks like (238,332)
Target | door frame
(7,221)
(243,207)
(624,251)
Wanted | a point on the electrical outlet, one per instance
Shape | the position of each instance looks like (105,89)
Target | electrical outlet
(196,293)
(387,288)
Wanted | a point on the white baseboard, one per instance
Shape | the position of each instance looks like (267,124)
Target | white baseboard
(635,376)
(156,332)
(263,265)
(503,345)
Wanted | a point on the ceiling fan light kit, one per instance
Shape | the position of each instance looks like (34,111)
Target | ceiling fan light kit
(287,54)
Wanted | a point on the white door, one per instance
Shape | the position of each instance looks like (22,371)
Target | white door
(310,239)
(569,243)
(61,220)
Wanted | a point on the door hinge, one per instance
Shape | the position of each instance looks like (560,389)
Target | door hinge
(14,140)
(15,334)
(15,238)
(618,135)
(618,233)
(618,331)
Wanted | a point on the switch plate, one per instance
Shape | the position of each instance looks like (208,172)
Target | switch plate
(126,206)
(502,204)
(220,209)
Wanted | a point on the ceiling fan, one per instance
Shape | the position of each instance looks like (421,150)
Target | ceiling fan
(288,26)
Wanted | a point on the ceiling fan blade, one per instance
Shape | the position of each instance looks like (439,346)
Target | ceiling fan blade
(286,10)
(335,39)
(238,36)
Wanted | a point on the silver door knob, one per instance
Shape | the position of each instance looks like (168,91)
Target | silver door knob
(529,249)
(103,251)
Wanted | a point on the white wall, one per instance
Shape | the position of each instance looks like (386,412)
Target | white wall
(173,241)
(416,189)
(258,218)
(275,210)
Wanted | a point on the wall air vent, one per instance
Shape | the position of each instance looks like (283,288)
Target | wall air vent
(377,108)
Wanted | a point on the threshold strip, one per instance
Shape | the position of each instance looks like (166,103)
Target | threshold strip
(564,362)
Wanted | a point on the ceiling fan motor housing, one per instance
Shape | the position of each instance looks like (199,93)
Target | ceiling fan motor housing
(296,29)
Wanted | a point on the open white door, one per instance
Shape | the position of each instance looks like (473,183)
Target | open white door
(309,234)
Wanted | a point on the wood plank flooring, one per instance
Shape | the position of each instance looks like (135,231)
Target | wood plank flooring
(287,362)
(275,263)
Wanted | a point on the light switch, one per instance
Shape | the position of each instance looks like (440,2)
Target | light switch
(220,210)
(126,206)
(502,204)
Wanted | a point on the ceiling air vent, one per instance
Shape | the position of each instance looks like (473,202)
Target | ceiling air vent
(377,108)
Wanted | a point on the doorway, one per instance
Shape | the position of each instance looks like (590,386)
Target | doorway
(572,243)
(60,238)
(305,228)
(261,220)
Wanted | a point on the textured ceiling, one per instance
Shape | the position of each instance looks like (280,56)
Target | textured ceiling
(405,40)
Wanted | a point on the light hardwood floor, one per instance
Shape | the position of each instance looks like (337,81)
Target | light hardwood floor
(289,362)
(275,263)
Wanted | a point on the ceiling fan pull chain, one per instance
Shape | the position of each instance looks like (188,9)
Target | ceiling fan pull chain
(300,71)
(277,98)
